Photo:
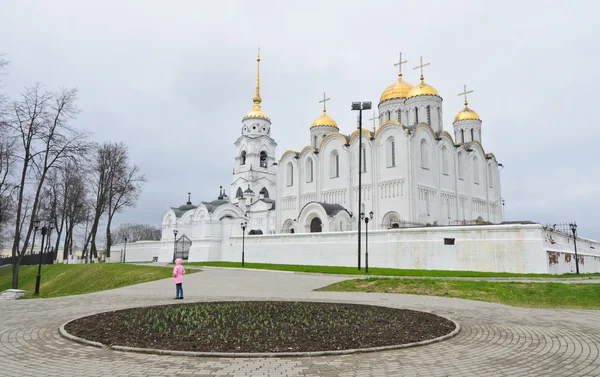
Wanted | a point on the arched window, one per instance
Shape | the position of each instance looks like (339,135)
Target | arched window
(491,175)
(309,170)
(416,115)
(475,170)
(290,174)
(461,166)
(243,158)
(263,159)
(389,114)
(424,154)
(334,162)
(445,160)
(399,116)
(390,152)
(239,193)
(429,115)
(462,136)
(472,135)
(315,141)
(264,192)
(364,160)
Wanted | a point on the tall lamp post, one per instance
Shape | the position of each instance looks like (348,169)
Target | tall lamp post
(573,226)
(360,106)
(125,249)
(35,229)
(174,244)
(39,273)
(366,218)
(503,215)
(243,225)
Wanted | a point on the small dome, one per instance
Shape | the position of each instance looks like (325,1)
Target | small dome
(466,114)
(423,89)
(399,89)
(248,190)
(324,121)
(256,114)
(187,207)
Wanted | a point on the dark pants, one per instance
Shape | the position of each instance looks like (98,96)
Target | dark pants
(178,290)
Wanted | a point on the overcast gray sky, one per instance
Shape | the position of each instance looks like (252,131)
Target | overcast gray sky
(173,80)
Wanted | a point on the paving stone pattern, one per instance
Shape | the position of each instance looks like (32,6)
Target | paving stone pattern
(495,340)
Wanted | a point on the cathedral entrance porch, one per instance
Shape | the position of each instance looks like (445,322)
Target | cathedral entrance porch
(316,225)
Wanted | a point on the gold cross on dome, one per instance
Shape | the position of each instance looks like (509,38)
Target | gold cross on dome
(324,101)
(374,119)
(421,66)
(399,64)
(464,93)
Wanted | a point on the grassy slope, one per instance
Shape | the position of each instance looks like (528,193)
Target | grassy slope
(64,280)
(531,295)
(380,271)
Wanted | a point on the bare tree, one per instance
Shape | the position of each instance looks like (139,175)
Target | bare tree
(76,206)
(116,185)
(124,188)
(136,232)
(7,161)
(45,139)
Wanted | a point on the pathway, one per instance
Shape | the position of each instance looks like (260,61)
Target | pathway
(495,340)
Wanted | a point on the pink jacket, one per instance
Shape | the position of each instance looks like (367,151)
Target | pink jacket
(178,271)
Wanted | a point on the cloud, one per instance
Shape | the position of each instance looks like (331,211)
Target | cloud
(174,80)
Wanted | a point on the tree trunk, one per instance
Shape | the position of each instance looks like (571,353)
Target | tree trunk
(15,275)
(108,238)
(93,232)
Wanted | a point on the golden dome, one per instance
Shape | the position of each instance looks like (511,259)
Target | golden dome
(423,89)
(466,114)
(399,89)
(324,121)
(257,113)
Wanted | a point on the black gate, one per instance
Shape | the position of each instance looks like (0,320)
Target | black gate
(182,248)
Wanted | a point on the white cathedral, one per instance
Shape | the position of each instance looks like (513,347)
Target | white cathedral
(412,171)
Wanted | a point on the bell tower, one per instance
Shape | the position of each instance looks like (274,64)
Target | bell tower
(255,165)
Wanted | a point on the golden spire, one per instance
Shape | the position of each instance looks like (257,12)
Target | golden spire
(464,93)
(324,101)
(257,100)
(421,67)
(399,64)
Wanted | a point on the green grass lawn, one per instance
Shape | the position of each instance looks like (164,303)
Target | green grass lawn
(530,295)
(73,279)
(380,271)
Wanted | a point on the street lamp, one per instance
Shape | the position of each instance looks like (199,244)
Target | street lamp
(125,249)
(243,225)
(573,226)
(36,224)
(39,273)
(174,244)
(48,249)
(366,218)
(503,215)
(360,106)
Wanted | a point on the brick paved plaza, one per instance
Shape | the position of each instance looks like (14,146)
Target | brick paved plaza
(495,340)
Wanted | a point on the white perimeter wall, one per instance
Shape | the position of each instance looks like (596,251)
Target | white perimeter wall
(520,248)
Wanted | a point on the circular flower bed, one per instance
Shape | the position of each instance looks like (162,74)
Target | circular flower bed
(260,326)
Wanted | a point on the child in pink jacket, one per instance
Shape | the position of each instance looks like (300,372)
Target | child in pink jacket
(178,273)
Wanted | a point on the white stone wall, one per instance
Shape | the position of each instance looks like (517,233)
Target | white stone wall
(500,248)
(519,248)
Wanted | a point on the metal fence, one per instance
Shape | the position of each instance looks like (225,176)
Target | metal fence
(182,248)
(30,259)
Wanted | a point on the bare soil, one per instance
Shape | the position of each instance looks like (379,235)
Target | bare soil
(260,326)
